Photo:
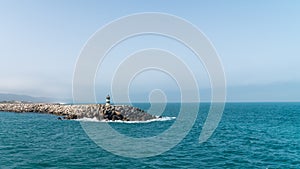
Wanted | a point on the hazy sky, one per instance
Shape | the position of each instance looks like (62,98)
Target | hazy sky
(258,43)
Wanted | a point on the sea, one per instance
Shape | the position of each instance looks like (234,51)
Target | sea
(249,135)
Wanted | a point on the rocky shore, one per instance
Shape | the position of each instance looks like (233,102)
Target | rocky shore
(99,111)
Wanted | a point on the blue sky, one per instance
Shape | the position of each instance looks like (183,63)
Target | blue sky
(257,41)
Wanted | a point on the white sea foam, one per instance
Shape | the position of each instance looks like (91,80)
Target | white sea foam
(85,119)
(88,119)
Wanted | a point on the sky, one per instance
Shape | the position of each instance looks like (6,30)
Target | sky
(257,42)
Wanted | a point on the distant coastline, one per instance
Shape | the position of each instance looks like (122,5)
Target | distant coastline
(6,97)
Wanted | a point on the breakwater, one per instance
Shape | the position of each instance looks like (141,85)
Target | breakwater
(78,111)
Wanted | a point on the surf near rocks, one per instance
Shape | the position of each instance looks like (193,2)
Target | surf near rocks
(78,111)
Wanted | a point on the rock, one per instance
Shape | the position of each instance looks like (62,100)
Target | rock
(71,116)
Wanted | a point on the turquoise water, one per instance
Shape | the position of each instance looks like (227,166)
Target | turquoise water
(250,135)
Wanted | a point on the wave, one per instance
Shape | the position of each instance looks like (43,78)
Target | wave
(85,119)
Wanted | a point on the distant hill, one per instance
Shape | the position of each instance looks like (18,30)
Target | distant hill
(26,98)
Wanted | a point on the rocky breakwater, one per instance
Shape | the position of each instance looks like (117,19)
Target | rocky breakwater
(99,111)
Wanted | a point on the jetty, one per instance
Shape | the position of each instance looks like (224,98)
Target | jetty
(78,111)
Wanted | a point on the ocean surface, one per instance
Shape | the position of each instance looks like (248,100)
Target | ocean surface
(250,135)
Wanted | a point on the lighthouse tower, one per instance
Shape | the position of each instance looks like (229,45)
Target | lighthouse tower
(107,100)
